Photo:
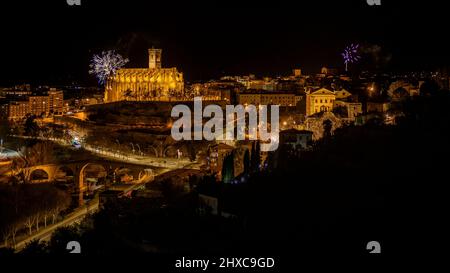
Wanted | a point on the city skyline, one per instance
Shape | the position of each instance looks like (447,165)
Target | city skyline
(209,41)
(179,133)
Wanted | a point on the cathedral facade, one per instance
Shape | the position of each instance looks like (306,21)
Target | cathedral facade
(145,84)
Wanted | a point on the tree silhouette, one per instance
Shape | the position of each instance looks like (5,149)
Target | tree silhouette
(327,127)
(191,151)
(31,127)
(247,162)
(255,156)
(28,205)
(429,88)
(228,168)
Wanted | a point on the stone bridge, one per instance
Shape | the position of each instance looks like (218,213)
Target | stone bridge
(49,172)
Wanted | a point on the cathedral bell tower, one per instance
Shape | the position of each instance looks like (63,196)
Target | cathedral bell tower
(154,58)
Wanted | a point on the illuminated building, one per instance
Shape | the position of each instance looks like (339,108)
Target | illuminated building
(17,91)
(378,107)
(347,100)
(321,100)
(342,94)
(38,104)
(251,82)
(266,98)
(52,103)
(326,71)
(16,109)
(354,109)
(141,84)
(215,90)
(297,72)
(55,101)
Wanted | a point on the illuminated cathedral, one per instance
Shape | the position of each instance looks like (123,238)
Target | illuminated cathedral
(143,84)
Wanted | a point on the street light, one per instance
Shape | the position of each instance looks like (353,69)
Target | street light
(118,147)
(137,144)
(132,146)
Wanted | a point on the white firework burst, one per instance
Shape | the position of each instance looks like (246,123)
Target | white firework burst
(106,65)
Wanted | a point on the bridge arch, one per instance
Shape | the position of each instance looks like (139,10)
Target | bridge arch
(152,150)
(170,151)
(79,171)
(125,174)
(82,175)
(146,172)
(39,175)
(64,172)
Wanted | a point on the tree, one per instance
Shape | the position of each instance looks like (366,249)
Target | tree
(228,168)
(327,127)
(162,145)
(30,219)
(53,203)
(429,88)
(247,162)
(272,160)
(25,205)
(31,127)
(6,252)
(60,203)
(5,129)
(255,157)
(191,151)
(38,153)
(341,111)
(10,227)
(35,247)
(61,236)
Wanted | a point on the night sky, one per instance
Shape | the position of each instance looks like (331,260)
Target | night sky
(49,42)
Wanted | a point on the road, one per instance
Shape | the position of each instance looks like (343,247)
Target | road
(80,213)
(70,219)
(168,163)
(45,234)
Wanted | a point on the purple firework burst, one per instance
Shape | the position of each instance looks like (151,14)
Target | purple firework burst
(106,65)
(351,54)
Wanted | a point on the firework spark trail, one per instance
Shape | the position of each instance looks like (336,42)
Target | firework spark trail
(106,65)
(351,55)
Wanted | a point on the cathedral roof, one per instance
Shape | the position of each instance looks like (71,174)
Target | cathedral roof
(322,91)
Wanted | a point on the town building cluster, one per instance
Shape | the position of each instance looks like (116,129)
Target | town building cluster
(305,100)
(20,101)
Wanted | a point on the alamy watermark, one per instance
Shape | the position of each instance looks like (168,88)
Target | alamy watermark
(73,2)
(213,129)
(374,2)
(74,247)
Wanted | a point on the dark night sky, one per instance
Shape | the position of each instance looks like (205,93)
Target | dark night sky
(51,42)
